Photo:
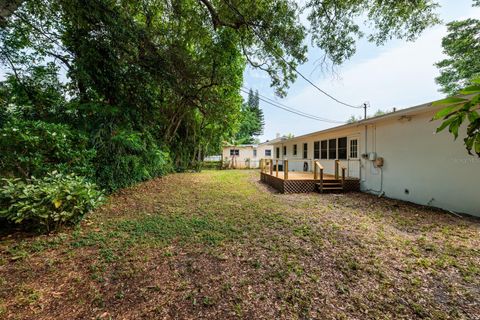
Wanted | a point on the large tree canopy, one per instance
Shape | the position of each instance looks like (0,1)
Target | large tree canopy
(460,75)
(268,32)
(148,81)
(462,47)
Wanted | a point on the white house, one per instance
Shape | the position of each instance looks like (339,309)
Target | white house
(240,156)
(397,155)
(247,155)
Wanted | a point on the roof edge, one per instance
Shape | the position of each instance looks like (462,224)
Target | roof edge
(418,109)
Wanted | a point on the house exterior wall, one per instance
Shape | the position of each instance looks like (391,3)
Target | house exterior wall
(261,151)
(419,166)
(243,160)
(297,162)
(247,157)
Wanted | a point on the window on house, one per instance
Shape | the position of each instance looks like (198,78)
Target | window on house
(234,152)
(354,148)
(305,150)
(316,150)
(332,149)
(294,149)
(278,152)
(284,150)
(254,153)
(268,153)
(324,149)
(342,148)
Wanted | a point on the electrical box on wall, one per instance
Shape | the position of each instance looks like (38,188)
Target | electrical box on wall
(372,156)
(379,162)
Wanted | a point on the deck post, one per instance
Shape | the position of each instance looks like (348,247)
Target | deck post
(343,177)
(271,166)
(336,169)
(276,168)
(321,179)
(315,176)
(285,169)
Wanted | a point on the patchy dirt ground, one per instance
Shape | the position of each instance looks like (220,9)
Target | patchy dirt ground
(220,245)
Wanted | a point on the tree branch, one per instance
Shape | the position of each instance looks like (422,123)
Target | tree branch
(216,20)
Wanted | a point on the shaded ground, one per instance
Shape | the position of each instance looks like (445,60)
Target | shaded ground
(220,245)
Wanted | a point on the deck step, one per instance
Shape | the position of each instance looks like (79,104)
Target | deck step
(329,186)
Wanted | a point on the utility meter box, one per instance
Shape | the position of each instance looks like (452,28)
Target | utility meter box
(372,156)
(379,162)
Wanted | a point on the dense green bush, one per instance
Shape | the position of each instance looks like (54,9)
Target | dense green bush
(55,200)
(129,157)
(33,148)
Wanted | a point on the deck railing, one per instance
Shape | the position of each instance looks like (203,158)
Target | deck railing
(337,169)
(318,168)
(273,165)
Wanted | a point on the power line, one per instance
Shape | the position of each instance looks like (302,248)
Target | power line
(290,65)
(308,80)
(293,110)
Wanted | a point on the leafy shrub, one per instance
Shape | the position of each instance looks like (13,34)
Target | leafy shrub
(33,148)
(130,157)
(56,199)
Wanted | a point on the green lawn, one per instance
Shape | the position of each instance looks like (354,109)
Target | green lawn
(220,245)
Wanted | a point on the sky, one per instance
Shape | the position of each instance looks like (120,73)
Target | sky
(399,74)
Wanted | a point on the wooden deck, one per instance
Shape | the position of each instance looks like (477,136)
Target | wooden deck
(294,175)
(304,182)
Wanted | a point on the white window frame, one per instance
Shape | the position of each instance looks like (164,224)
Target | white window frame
(357,147)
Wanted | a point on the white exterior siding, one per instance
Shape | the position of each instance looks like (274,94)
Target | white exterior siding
(261,151)
(419,165)
(249,156)
(435,170)
(296,162)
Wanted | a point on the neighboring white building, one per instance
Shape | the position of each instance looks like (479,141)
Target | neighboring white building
(247,155)
(397,155)
(240,156)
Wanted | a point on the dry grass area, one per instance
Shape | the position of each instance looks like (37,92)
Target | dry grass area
(220,245)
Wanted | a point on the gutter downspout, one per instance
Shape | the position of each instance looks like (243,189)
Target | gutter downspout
(366,152)
(365,159)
